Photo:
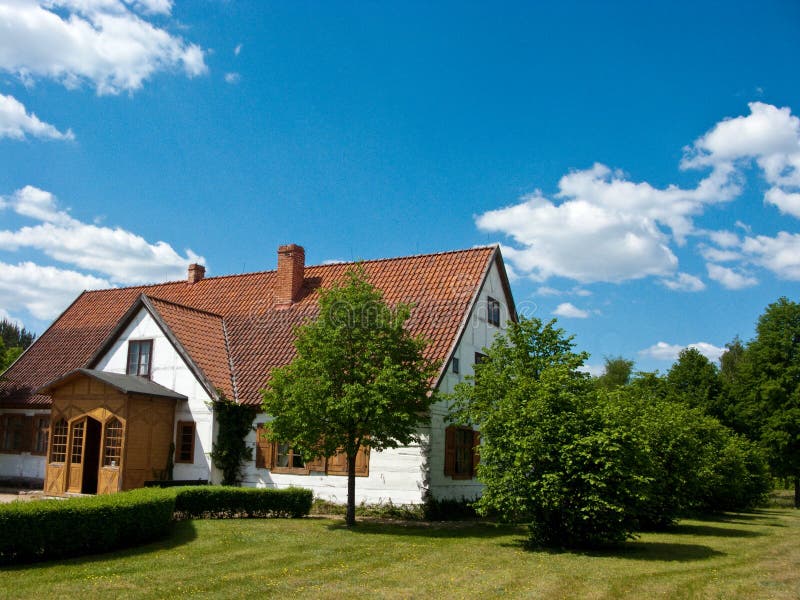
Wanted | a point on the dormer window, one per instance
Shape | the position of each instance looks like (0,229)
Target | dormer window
(140,355)
(493,311)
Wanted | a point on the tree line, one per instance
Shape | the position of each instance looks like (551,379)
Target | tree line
(13,342)
(591,461)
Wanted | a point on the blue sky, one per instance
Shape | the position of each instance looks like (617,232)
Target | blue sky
(639,164)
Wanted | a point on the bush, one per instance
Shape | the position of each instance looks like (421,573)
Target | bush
(222,502)
(50,529)
(448,509)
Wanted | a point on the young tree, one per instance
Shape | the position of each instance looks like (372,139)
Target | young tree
(15,336)
(548,455)
(694,380)
(359,379)
(617,373)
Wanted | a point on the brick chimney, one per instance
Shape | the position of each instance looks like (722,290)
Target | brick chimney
(291,266)
(196,273)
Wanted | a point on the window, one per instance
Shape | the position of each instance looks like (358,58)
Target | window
(184,442)
(13,438)
(287,460)
(456,366)
(77,443)
(58,450)
(337,464)
(493,311)
(112,449)
(41,434)
(140,355)
(460,452)
(480,357)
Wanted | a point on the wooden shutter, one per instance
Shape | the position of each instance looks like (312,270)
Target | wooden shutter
(362,462)
(317,464)
(450,450)
(476,454)
(264,454)
(27,434)
(337,464)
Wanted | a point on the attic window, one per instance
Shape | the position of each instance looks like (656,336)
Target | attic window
(456,365)
(493,311)
(140,354)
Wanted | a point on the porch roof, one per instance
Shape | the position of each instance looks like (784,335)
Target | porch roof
(127,384)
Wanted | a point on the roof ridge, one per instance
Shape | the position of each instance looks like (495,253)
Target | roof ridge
(186,306)
(320,266)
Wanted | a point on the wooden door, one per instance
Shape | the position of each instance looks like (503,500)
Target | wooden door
(75,455)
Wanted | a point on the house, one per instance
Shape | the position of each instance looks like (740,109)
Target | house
(121,384)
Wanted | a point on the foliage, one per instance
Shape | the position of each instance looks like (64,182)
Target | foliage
(13,341)
(618,372)
(222,502)
(230,450)
(548,455)
(694,380)
(358,379)
(764,396)
(449,509)
(44,530)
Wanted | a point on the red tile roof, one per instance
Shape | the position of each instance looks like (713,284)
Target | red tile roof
(241,310)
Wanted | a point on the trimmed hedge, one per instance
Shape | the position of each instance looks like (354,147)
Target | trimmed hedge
(43,530)
(223,502)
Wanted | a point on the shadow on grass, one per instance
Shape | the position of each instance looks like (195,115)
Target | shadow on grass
(183,532)
(711,531)
(636,550)
(425,529)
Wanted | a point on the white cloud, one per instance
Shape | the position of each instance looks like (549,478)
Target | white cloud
(730,278)
(788,203)
(779,254)
(237,50)
(570,311)
(122,256)
(17,123)
(232,78)
(593,370)
(602,227)
(104,43)
(683,282)
(42,291)
(670,352)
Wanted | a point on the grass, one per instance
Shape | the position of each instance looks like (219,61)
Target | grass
(734,556)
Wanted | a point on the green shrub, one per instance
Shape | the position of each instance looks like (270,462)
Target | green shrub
(224,502)
(42,530)
(448,509)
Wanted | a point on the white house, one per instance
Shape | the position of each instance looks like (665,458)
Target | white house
(94,405)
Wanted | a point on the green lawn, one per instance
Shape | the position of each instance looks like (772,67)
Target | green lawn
(738,556)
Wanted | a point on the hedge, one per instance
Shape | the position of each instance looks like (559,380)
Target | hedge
(49,529)
(223,502)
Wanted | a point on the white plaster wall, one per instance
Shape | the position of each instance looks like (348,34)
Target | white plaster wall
(23,465)
(479,334)
(170,370)
(395,475)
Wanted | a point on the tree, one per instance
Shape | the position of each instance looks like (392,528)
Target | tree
(694,380)
(770,386)
(617,373)
(548,456)
(13,341)
(359,379)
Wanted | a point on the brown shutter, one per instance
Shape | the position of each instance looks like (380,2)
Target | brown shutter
(362,462)
(337,464)
(27,434)
(3,419)
(263,448)
(450,450)
(317,464)
(476,453)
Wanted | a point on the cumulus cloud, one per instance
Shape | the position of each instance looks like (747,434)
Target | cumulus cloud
(107,44)
(17,123)
(570,311)
(601,226)
(232,78)
(683,282)
(670,352)
(730,278)
(121,256)
(40,290)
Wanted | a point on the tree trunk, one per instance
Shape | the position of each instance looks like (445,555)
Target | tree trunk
(797,491)
(350,518)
